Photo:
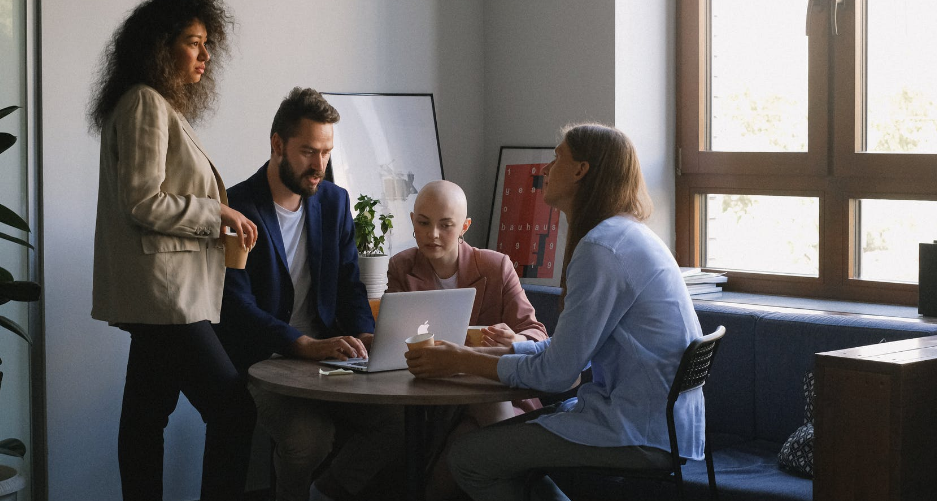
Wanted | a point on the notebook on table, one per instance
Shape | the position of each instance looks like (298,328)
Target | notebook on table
(445,313)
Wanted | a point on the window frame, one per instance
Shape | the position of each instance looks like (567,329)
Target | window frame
(832,169)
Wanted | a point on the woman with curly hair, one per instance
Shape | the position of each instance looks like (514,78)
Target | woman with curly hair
(158,256)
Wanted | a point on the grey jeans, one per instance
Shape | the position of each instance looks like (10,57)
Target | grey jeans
(492,463)
(304,432)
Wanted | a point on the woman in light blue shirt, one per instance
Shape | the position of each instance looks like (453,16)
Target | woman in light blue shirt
(626,312)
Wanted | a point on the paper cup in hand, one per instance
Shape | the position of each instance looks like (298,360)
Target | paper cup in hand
(235,256)
(475,335)
(424,340)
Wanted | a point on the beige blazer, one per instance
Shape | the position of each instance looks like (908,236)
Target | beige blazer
(157,256)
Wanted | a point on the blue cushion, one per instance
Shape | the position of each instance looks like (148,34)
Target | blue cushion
(546,302)
(730,390)
(747,471)
(785,344)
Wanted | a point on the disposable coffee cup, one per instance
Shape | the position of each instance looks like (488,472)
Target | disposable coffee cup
(235,256)
(424,340)
(475,335)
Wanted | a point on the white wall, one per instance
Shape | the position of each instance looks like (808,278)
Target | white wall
(645,99)
(547,63)
(362,45)
(553,62)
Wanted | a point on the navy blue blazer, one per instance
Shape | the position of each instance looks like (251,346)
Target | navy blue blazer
(258,300)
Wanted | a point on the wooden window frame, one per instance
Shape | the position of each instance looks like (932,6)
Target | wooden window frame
(834,168)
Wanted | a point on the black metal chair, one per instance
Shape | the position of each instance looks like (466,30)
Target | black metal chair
(691,374)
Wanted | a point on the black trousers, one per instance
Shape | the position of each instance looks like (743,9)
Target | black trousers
(165,360)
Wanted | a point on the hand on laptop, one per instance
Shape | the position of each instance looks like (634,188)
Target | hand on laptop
(366,338)
(340,347)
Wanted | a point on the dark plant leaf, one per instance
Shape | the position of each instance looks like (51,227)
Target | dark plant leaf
(14,328)
(9,109)
(4,236)
(6,140)
(20,291)
(11,218)
(12,447)
(5,276)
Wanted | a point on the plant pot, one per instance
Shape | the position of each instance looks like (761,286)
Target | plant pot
(373,273)
(11,482)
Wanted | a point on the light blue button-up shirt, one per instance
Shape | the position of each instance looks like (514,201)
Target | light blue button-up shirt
(628,313)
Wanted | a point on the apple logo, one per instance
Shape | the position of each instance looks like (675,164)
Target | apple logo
(423,329)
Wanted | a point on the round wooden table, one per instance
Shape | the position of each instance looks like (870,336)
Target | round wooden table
(301,378)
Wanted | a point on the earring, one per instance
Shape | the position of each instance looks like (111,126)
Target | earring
(461,239)
(414,233)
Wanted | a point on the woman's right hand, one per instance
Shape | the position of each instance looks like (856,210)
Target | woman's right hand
(245,228)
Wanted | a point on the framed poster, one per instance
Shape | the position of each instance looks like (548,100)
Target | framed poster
(522,225)
(386,147)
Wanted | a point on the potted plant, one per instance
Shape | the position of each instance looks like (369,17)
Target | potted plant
(372,260)
(12,290)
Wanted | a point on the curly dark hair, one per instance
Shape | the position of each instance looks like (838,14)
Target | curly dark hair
(140,52)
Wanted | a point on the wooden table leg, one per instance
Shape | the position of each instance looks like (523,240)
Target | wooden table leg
(415,437)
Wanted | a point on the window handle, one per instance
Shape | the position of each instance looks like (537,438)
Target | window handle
(833,19)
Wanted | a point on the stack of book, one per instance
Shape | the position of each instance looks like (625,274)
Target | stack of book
(703,284)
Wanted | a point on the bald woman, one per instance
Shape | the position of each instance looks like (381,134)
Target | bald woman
(442,260)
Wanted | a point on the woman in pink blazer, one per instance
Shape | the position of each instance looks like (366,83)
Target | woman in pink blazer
(442,260)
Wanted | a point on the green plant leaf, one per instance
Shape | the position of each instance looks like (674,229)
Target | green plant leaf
(12,447)
(11,218)
(9,109)
(20,291)
(5,276)
(15,328)
(6,140)
(4,236)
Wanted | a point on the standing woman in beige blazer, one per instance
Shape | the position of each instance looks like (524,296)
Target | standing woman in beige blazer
(158,259)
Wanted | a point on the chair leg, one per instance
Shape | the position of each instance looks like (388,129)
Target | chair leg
(532,477)
(710,470)
(678,481)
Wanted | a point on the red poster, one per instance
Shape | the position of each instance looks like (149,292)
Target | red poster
(528,226)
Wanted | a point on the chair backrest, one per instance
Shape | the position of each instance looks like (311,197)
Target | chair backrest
(691,374)
(695,364)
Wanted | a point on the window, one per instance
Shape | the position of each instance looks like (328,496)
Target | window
(807,144)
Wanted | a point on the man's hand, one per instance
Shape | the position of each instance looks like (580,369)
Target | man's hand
(341,348)
(500,335)
(367,338)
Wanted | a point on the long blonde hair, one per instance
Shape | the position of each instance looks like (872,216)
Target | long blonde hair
(613,184)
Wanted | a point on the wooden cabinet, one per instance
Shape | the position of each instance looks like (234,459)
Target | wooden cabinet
(876,422)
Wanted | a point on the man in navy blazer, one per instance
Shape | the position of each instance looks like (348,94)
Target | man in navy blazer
(300,296)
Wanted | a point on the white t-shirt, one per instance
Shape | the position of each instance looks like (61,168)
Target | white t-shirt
(293,231)
(447,283)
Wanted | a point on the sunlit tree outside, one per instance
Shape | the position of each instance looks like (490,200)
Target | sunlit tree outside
(759,103)
(770,234)
(889,244)
(901,78)
(758,76)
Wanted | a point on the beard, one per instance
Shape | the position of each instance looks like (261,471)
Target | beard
(294,182)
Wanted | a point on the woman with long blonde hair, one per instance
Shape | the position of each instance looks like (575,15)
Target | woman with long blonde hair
(626,313)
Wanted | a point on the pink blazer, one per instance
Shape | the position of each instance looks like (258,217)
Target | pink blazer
(498,293)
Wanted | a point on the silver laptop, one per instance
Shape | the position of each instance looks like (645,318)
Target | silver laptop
(445,313)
